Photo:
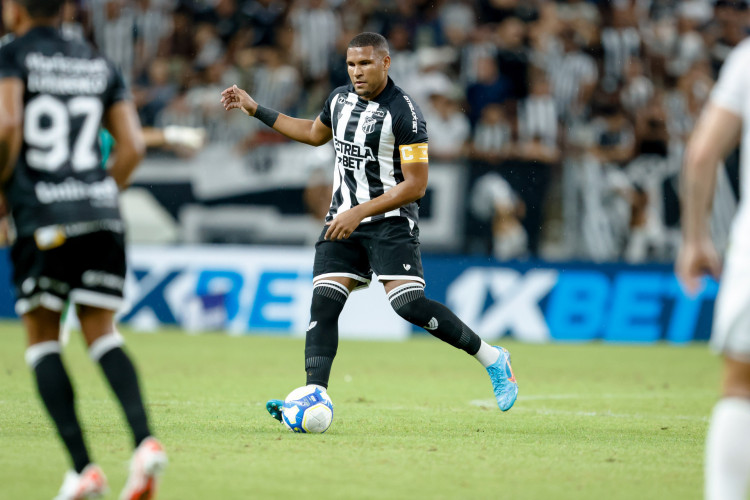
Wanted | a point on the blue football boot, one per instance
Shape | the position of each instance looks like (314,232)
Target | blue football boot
(503,381)
(274,407)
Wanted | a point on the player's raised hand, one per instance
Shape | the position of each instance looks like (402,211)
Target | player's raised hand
(235,97)
(695,260)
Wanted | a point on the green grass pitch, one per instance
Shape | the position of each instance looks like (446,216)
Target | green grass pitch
(413,420)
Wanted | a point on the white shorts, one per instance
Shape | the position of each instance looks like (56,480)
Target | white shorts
(731,327)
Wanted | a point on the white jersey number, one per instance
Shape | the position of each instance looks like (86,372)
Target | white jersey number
(46,129)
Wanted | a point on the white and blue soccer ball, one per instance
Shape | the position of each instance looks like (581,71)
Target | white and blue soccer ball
(307,409)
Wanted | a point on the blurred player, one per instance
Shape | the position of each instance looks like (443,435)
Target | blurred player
(380,138)
(54,95)
(724,122)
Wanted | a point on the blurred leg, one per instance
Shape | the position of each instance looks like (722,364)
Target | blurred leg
(53,383)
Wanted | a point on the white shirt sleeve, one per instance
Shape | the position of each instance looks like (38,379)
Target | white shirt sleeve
(730,91)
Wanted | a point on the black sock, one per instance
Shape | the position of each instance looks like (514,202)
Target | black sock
(121,375)
(410,303)
(322,339)
(56,392)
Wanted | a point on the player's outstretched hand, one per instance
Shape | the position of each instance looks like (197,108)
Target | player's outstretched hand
(695,260)
(235,97)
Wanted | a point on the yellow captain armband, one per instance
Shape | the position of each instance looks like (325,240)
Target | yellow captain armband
(413,153)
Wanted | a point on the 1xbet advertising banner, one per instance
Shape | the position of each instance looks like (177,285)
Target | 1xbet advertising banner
(267,290)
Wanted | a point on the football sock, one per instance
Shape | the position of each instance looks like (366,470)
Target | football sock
(322,337)
(486,354)
(728,450)
(120,373)
(56,392)
(410,303)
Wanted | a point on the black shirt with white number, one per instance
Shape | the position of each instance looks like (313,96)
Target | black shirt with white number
(58,178)
(366,137)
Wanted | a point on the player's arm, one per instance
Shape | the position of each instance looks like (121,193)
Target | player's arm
(715,135)
(11,124)
(415,168)
(313,132)
(121,119)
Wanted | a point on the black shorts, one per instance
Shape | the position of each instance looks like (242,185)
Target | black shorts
(87,270)
(389,248)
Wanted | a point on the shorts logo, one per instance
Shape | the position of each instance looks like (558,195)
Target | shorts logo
(432,325)
(369,125)
(312,325)
(407,266)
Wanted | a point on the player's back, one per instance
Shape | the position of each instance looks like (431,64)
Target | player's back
(68,88)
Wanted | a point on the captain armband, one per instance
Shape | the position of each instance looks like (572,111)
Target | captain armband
(413,153)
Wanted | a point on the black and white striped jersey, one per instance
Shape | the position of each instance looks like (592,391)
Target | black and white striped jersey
(372,140)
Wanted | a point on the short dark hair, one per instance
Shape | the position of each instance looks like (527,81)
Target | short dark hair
(368,39)
(41,8)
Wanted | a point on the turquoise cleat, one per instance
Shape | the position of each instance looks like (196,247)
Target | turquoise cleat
(274,407)
(503,381)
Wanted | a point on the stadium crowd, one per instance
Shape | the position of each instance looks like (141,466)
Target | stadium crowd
(569,117)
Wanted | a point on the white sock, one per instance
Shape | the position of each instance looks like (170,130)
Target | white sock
(486,354)
(728,450)
(323,389)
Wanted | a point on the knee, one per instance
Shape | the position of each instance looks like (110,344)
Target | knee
(328,300)
(410,303)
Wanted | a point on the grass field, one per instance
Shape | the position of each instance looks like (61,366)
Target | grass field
(412,420)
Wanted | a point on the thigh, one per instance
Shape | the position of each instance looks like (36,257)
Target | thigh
(99,278)
(40,278)
(88,269)
(342,260)
(393,249)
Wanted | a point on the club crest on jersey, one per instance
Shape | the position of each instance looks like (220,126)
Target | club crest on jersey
(369,125)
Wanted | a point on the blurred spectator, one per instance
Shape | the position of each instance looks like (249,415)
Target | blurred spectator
(458,20)
(493,201)
(573,75)
(277,85)
(614,137)
(637,89)
(512,57)
(316,30)
(489,88)
(492,142)
(154,92)
(450,132)
(537,114)
(113,23)
(264,17)
(151,24)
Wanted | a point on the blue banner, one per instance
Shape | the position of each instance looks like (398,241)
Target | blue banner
(268,289)
(537,301)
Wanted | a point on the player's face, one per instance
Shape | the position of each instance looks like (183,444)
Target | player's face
(368,70)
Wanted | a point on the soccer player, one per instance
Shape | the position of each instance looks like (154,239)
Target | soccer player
(54,95)
(380,139)
(724,122)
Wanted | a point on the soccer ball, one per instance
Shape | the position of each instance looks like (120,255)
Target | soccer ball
(307,409)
